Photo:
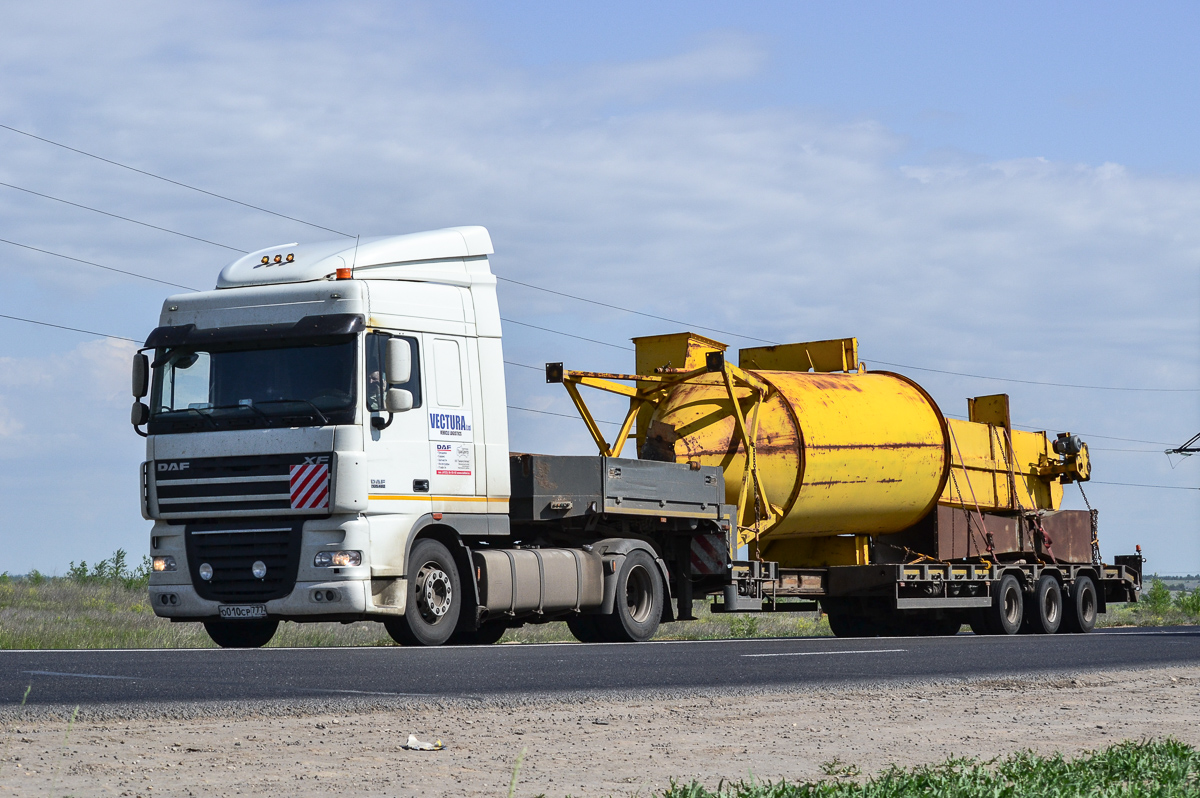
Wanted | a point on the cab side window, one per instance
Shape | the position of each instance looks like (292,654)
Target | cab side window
(377,379)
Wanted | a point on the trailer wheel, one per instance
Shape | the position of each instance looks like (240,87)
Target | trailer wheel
(241,634)
(585,628)
(1007,612)
(1079,614)
(434,597)
(639,606)
(1044,613)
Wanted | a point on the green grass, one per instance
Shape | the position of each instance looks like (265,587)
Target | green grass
(1160,769)
(106,606)
(40,612)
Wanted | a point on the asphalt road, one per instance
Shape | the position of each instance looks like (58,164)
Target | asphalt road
(205,675)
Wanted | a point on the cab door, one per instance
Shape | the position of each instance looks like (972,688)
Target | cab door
(397,447)
(451,424)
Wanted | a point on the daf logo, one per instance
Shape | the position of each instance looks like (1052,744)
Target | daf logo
(316,459)
(177,466)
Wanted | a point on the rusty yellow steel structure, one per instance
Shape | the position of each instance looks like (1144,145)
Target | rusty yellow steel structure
(817,461)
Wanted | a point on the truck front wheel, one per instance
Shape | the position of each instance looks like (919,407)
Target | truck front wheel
(241,634)
(435,597)
(639,605)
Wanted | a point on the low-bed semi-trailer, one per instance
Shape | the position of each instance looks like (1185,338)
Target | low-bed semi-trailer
(327,440)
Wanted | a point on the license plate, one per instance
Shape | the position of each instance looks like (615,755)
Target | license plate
(243,610)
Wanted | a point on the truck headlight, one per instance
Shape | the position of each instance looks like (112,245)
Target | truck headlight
(337,559)
(166,563)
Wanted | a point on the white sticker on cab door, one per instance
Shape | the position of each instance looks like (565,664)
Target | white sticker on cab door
(453,459)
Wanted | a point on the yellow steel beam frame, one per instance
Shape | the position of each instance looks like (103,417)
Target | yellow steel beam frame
(752,514)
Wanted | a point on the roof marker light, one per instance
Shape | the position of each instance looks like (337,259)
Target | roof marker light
(291,257)
(278,258)
(266,259)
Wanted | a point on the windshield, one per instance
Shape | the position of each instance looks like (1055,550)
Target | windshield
(244,386)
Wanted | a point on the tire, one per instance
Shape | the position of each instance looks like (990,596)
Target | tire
(585,629)
(1044,612)
(1007,612)
(639,605)
(241,634)
(435,597)
(1081,606)
(488,633)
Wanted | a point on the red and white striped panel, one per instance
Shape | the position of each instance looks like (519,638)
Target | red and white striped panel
(310,487)
(708,555)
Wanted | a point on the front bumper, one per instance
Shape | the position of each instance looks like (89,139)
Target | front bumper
(337,598)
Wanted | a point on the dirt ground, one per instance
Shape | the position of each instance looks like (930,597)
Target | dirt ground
(589,746)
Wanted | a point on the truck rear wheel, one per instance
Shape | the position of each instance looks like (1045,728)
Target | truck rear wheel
(1081,606)
(639,605)
(1044,613)
(1007,612)
(241,634)
(434,597)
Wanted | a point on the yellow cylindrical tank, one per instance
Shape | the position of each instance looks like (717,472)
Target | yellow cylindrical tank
(850,453)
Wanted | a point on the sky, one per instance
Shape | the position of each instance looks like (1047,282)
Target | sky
(1007,191)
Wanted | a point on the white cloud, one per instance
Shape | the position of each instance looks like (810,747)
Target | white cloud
(620,182)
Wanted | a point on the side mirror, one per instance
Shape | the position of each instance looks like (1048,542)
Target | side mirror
(139,414)
(398,400)
(141,376)
(397,360)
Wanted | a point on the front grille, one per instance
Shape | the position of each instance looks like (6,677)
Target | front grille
(260,485)
(231,550)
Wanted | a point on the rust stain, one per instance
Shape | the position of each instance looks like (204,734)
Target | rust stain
(868,446)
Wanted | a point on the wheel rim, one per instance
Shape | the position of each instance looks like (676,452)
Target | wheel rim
(435,594)
(1012,605)
(639,594)
(1087,606)
(1050,607)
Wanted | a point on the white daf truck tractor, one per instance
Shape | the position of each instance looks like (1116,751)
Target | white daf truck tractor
(327,440)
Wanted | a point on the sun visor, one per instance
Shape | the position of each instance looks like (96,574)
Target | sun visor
(331,325)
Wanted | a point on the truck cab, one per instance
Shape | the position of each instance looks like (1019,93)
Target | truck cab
(309,416)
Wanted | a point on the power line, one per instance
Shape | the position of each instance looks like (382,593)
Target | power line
(561,415)
(518,282)
(122,218)
(123,338)
(1084,434)
(1139,485)
(174,182)
(567,334)
(635,312)
(547,412)
(72,329)
(97,265)
(1036,382)
(1189,447)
